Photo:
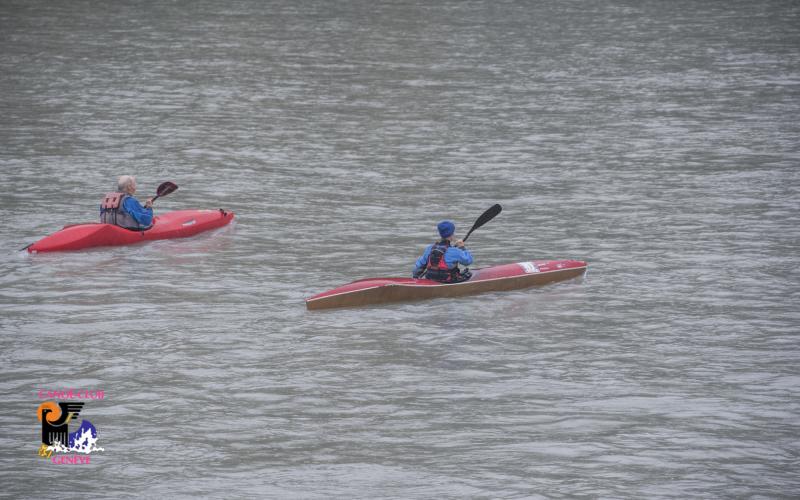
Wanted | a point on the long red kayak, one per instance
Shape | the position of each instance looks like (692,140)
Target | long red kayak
(488,279)
(178,224)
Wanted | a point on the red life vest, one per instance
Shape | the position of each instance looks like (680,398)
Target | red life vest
(437,269)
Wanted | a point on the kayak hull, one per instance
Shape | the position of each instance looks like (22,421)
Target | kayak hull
(490,279)
(178,224)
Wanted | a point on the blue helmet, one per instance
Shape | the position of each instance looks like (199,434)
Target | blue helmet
(446,228)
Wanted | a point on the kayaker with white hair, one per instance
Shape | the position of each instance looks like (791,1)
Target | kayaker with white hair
(440,260)
(122,209)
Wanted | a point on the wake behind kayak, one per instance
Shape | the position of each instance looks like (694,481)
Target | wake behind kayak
(178,224)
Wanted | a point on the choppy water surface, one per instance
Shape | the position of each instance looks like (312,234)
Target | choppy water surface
(656,140)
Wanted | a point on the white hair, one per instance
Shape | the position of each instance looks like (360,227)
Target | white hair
(125,181)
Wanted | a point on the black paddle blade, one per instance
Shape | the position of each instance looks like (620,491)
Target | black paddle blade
(485,217)
(166,188)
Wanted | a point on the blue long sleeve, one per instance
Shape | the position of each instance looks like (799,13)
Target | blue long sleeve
(143,216)
(423,260)
(457,255)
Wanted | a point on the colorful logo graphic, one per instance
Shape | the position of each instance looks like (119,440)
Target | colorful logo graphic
(56,438)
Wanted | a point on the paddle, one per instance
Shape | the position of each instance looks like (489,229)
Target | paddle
(484,218)
(165,189)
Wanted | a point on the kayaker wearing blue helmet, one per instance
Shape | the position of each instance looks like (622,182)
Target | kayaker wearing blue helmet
(122,209)
(440,260)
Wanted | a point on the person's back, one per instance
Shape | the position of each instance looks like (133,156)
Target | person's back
(440,260)
(122,209)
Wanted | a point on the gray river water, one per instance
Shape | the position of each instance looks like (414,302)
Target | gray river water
(656,140)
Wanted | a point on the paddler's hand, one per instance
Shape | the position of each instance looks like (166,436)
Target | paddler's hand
(460,243)
(148,203)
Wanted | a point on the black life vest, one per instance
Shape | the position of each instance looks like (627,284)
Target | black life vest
(437,269)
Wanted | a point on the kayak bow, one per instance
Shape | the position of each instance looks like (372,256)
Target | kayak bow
(489,279)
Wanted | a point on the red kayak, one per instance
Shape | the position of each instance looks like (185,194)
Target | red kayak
(489,279)
(179,224)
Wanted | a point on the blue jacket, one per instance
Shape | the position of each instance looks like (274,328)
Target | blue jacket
(143,216)
(452,257)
